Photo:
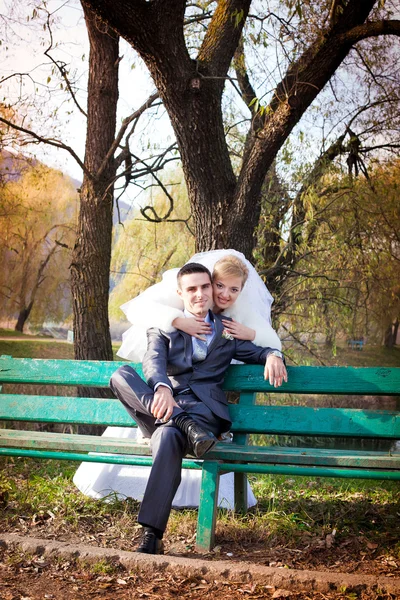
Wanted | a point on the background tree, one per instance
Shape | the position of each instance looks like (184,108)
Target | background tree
(345,279)
(105,152)
(191,81)
(38,212)
(314,41)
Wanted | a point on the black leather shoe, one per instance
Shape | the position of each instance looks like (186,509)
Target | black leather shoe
(201,441)
(150,543)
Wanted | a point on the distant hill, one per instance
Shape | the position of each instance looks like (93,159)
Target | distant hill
(13,165)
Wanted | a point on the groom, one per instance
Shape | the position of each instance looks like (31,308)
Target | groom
(182,407)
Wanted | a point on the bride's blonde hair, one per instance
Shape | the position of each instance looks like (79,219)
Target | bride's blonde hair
(230,266)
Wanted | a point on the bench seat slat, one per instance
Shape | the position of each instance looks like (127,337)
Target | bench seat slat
(247,378)
(309,471)
(65,441)
(306,456)
(127,459)
(40,440)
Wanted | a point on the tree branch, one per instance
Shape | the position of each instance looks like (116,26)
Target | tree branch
(370,29)
(61,66)
(246,89)
(133,20)
(125,124)
(223,34)
(49,141)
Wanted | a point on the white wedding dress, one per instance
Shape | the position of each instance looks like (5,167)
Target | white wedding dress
(158,306)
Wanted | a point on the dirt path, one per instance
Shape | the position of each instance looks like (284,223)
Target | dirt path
(33,569)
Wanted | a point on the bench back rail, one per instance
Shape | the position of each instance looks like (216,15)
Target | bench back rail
(240,378)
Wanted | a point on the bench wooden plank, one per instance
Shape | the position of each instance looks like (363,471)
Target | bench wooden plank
(318,380)
(127,459)
(285,420)
(64,409)
(247,378)
(59,371)
(64,441)
(42,440)
(305,420)
(306,456)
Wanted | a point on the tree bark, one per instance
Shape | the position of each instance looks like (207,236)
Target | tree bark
(92,253)
(226,209)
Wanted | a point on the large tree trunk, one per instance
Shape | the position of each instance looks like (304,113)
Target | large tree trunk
(226,210)
(92,253)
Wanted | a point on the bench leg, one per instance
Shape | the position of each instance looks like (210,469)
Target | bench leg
(208,506)
(240,492)
(240,479)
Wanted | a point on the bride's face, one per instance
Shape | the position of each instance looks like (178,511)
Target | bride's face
(226,291)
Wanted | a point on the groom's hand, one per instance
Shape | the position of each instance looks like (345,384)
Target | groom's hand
(163,403)
(275,371)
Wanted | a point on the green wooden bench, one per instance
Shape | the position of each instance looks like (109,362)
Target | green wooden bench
(278,420)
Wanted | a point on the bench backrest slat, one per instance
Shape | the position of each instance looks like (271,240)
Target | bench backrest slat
(59,372)
(63,409)
(284,420)
(305,420)
(246,378)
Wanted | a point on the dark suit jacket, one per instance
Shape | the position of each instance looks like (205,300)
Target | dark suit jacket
(169,360)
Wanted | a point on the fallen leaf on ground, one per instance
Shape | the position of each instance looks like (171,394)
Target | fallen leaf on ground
(282,594)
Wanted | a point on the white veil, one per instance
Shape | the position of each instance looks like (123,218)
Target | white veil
(255,296)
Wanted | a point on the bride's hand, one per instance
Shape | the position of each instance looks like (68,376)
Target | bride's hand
(239,331)
(194,326)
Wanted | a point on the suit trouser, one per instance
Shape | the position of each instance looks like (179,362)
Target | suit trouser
(168,443)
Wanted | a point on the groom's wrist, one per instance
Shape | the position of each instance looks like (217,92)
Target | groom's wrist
(160,383)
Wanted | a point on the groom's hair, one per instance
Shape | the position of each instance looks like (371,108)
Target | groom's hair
(191,268)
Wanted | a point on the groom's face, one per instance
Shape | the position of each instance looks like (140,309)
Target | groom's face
(196,291)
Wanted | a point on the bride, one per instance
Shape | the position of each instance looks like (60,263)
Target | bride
(239,293)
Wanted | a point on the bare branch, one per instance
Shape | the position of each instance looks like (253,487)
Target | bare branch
(61,66)
(49,141)
(125,124)
(298,341)
(246,89)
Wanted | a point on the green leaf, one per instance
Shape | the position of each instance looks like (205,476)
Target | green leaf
(238,15)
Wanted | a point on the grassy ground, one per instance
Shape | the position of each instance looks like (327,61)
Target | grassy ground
(298,522)
(34,347)
(44,347)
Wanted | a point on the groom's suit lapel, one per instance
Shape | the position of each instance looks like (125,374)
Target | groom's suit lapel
(217,340)
(187,345)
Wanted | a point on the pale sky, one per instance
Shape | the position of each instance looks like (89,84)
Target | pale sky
(23,52)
